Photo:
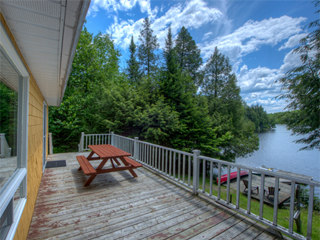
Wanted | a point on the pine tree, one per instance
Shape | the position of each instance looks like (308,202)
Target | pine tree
(146,50)
(188,54)
(302,86)
(133,71)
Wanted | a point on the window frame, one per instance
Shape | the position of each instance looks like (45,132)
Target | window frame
(19,177)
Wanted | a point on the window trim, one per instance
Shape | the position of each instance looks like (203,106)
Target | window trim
(19,178)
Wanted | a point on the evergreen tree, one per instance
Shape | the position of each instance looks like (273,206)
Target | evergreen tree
(188,53)
(302,86)
(147,48)
(225,107)
(132,70)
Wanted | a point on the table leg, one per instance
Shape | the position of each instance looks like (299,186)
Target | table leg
(104,161)
(127,164)
(117,162)
(90,155)
(90,179)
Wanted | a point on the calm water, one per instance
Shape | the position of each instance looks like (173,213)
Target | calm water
(277,150)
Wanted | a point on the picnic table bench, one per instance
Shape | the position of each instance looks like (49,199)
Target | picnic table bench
(106,152)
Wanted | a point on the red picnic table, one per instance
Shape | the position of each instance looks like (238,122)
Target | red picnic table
(106,152)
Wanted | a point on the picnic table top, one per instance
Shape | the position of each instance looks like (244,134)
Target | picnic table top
(108,151)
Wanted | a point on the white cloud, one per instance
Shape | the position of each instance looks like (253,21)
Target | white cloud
(122,5)
(207,35)
(293,41)
(252,35)
(192,14)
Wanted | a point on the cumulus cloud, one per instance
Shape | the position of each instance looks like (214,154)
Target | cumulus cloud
(122,5)
(192,14)
(252,35)
(293,41)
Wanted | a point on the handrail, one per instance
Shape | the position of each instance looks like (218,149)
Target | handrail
(184,167)
(5,150)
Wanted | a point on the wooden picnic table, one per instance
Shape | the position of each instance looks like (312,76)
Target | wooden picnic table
(106,152)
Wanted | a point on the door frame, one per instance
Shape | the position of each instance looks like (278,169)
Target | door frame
(44,136)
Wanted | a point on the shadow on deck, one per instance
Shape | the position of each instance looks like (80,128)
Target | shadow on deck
(118,206)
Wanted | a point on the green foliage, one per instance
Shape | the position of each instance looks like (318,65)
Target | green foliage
(160,106)
(8,116)
(301,86)
(219,87)
(188,54)
(132,70)
(259,117)
(147,48)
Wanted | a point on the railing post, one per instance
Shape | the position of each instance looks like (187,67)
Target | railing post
(50,144)
(81,142)
(196,173)
(112,138)
(135,148)
(2,150)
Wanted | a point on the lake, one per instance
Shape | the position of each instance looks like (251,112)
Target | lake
(277,150)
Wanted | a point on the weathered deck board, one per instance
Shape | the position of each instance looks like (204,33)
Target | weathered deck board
(118,206)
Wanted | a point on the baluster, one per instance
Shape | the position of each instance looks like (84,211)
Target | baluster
(184,168)
(275,206)
(228,186)
(261,196)
(238,188)
(167,161)
(219,180)
(162,160)
(249,192)
(179,163)
(174,165)
(189,169)
(203,175)
(310,211)
(170,164)
(211,177)
(86,142)
(293,185)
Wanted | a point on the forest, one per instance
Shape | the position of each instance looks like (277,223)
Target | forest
(165,96)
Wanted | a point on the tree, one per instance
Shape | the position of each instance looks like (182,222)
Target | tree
(301,86)
(132,70)
(188,53)
(226,109)
(147,48)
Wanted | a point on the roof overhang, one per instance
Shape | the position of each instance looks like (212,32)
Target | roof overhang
(47,33)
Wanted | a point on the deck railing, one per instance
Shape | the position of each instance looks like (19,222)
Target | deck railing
(5,150)
(184,167)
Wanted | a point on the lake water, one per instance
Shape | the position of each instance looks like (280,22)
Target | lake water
(277,150)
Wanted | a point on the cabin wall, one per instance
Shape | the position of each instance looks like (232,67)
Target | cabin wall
(35,145)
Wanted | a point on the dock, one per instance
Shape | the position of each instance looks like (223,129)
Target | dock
(284,186)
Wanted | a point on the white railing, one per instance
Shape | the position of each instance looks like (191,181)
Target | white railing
(5,150)
(93,139)
(184,168)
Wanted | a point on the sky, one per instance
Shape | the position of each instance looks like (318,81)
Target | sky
(257,36)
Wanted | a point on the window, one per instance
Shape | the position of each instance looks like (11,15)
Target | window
(14,101)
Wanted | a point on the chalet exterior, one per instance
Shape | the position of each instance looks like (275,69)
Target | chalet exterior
(38,40)
(170,198)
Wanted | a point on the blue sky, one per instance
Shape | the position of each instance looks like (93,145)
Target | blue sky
(257,36)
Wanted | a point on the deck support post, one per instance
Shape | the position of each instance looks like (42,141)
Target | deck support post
(112,138)
(135,148)
(196,171)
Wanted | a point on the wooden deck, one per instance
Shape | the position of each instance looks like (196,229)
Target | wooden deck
(118,206)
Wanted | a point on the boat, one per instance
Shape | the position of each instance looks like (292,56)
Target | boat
(233,175)
(266,169)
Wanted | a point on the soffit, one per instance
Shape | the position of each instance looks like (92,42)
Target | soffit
(47,33)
